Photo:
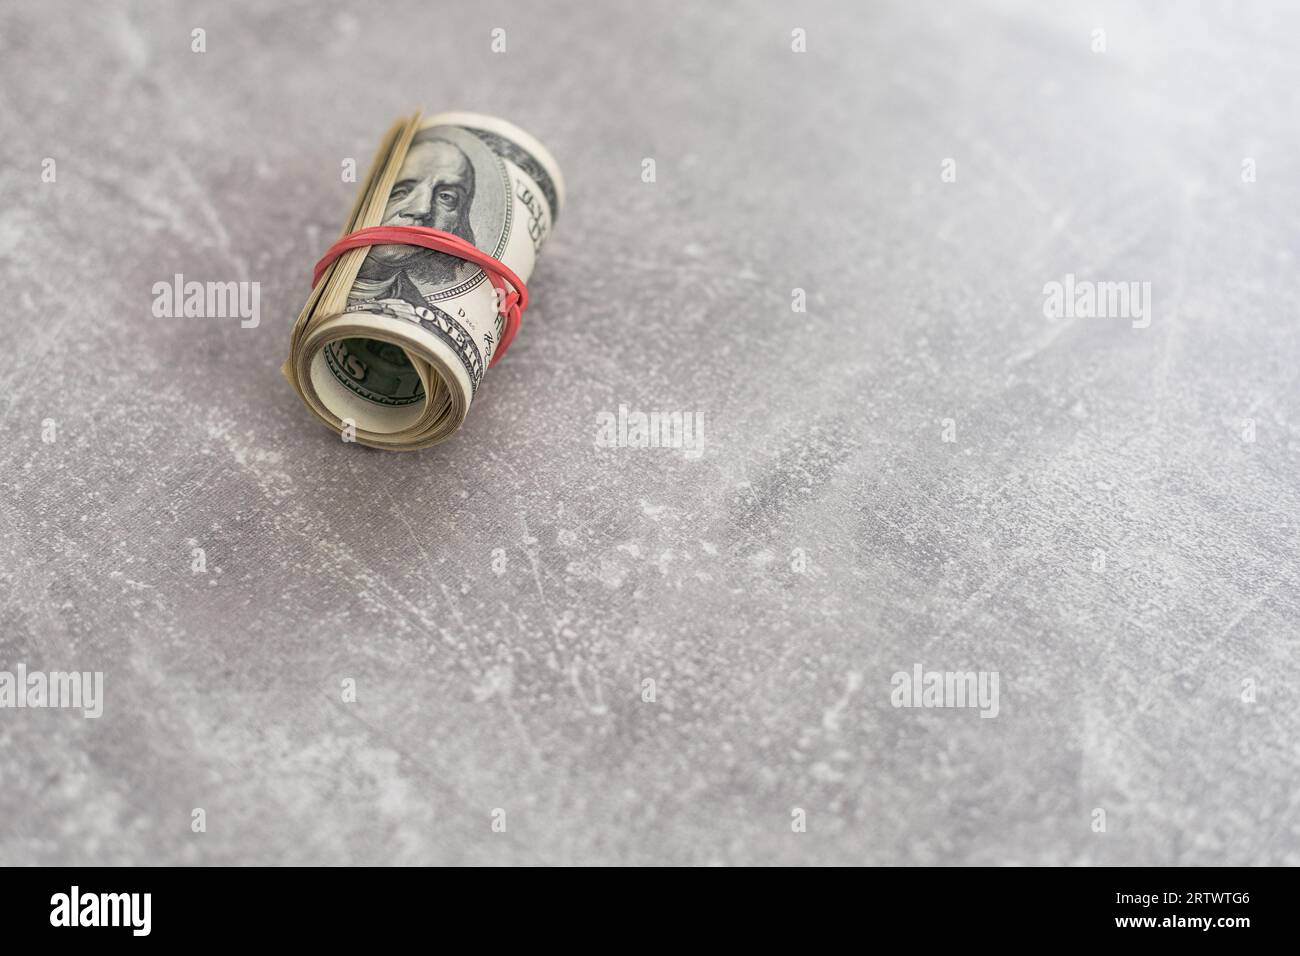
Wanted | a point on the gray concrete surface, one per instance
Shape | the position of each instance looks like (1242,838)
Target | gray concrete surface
(1100,531)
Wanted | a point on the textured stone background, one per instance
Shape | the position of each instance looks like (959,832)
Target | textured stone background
(1121,689)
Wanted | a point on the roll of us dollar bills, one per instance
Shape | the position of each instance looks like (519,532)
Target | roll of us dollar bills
(394,340)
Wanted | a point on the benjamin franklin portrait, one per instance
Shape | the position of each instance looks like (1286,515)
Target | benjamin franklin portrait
(434,188)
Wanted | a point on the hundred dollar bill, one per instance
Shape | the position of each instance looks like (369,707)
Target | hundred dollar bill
(393,342)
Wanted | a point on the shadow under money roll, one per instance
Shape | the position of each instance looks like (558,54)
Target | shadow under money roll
(394,340)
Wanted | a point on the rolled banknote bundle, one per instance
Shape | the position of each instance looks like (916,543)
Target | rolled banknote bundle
(394,340)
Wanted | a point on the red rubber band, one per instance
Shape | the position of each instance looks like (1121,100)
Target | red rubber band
(514,299)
